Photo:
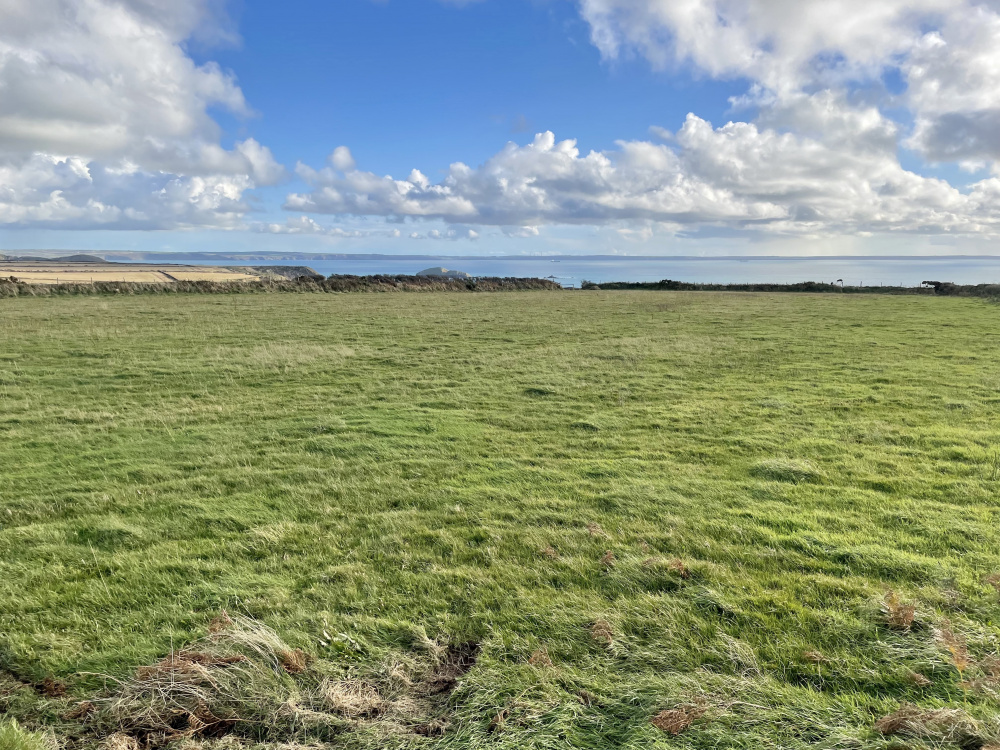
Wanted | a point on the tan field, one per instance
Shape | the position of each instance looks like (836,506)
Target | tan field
(43,272)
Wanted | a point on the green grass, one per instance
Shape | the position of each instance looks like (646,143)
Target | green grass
(368,473)
(13,737)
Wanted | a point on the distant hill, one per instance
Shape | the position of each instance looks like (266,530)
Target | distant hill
(66,259)
(82,259)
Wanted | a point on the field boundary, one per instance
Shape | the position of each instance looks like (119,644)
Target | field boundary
(303,284)
(943,288)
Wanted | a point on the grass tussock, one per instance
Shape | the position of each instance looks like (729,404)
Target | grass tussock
(243,681)
(947,725)
(238,675)
(898,614)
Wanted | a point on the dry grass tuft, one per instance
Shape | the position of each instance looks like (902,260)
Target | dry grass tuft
(676,566)
(955,645)
(120,741)
(294,662)
(991,666)
(234,675)
(994,581)
(942,724)
(541,658)
(52,688)
(220,622)
(602,632)
(898,616)
(352,699)
(918,680)
(680,568)
(80,711)
(675,721)
(815,657)
(594,529)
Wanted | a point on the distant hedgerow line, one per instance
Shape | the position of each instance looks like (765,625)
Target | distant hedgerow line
(309,284)
(927,288)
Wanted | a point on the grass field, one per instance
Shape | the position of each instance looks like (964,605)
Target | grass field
(50,272)
(524,520)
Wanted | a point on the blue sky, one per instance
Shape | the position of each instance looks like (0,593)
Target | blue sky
(415,83)
(641,126)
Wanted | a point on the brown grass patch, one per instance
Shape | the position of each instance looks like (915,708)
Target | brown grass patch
(80,711)
(942,724)
(602,632)
(815,657)
(352,699)
(120,741)
(918,680)
(897,614)
(680,568)
(549,552)
(672,566)
(991,666)
(406,697)
(675,721)
(594,529)
(52,688)
(955,645)
(220,622)
(294,662)
(64,276)
(540,658)
(184,664)
(435,728)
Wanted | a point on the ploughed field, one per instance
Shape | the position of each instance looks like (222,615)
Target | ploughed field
(521,520)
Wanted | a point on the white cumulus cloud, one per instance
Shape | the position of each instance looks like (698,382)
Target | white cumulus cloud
(104,117)
(819,157)
(846,178)
(947,53)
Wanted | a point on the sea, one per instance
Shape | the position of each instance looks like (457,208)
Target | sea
(571,271)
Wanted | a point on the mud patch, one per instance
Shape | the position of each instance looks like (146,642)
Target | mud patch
(459,660)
